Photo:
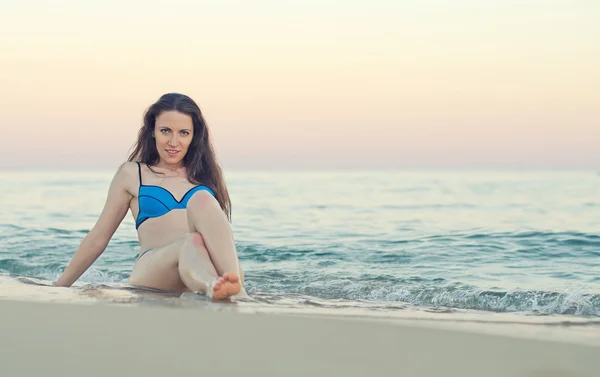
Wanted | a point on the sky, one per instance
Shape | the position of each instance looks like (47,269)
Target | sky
(307,84)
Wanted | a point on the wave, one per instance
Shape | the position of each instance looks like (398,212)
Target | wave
(433,272)
(561,238)
(279,286)
(538,303)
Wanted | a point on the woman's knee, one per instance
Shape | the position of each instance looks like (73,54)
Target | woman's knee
(202,199)
(193,239)
(197,240)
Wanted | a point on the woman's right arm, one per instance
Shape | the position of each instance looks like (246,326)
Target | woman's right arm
(95,242)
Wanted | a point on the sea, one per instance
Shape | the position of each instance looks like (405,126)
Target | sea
(519,246)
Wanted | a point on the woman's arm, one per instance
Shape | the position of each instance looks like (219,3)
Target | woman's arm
(94,243)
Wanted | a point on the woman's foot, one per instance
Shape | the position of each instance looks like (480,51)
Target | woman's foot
(226,286)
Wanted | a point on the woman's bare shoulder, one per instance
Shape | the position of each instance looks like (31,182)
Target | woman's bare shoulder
(128,167)
(127,176)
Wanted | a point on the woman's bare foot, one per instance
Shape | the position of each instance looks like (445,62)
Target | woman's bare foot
(226,286)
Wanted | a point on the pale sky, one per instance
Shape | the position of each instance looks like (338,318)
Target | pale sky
(307,83)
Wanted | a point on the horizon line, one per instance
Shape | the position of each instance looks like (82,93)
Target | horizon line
(324,168)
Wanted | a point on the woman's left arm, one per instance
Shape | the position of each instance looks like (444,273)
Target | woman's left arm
(95,242)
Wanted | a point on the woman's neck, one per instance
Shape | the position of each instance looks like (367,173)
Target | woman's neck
(172,167)
(176,170)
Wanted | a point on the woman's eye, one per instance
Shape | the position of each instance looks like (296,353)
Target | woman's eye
(164,130)
(185,133)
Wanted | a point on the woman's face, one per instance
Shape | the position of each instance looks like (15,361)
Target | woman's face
(173,132)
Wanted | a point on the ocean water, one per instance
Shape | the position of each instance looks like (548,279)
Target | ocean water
(524,244)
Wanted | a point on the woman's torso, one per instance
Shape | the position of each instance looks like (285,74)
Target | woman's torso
(163,217)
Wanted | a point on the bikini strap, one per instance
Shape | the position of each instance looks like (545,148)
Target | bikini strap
(139,172)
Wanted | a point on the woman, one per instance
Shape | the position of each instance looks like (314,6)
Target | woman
(176,193)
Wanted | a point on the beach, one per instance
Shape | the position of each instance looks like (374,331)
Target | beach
(68,339)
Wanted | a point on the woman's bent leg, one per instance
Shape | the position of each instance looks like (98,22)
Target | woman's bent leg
(198,273)
(195,267)
(183,266)
(206,218)
(157,268)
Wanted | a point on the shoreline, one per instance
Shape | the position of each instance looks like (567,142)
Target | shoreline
(154,340)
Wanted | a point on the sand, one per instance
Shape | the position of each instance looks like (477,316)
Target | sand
(73,339)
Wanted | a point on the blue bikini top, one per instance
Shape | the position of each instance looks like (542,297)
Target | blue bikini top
(155,201)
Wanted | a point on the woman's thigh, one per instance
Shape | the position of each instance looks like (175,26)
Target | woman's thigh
(158,268)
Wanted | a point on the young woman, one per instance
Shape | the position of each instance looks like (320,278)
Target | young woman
(176,193)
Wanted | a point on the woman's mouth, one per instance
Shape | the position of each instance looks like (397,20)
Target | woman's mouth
(171,152)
